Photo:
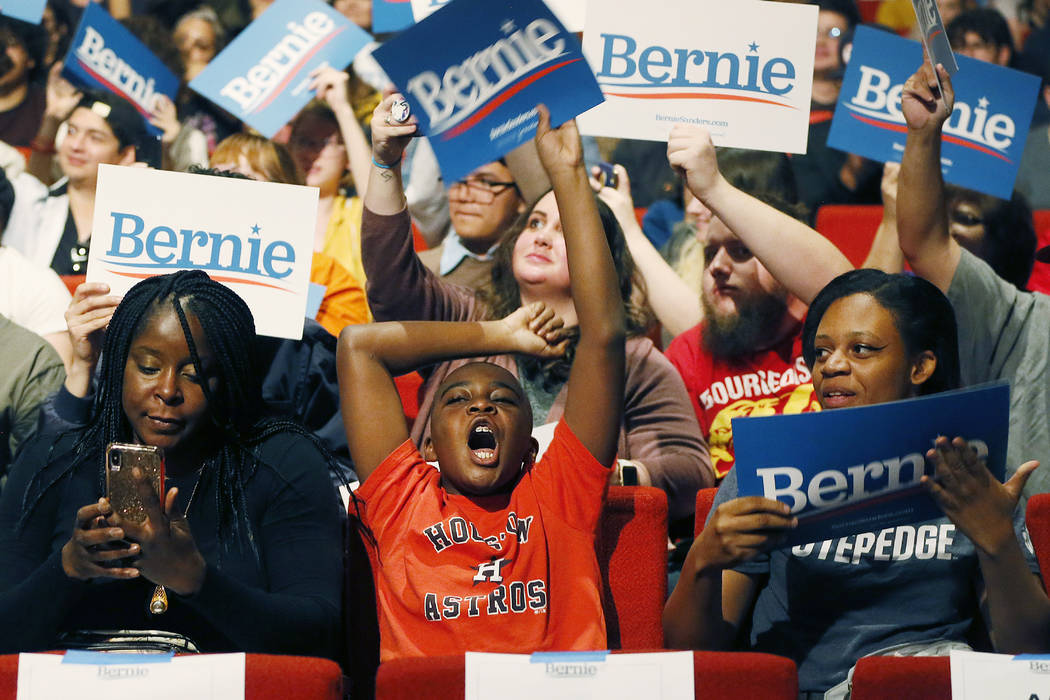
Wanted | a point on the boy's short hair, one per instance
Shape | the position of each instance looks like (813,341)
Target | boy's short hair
(985,22)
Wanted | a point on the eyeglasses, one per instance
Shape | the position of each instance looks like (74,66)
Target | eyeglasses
(829,33)
(483,189)
(737,252)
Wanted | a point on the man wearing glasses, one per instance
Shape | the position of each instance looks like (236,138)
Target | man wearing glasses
(482,206)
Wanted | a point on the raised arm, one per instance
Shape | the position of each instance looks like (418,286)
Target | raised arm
(385,192)
(814,260)
(370,354)
(400,287)
(331,86)
(922,219)
(61,100)
(885,253)
(594,405)
(676,305)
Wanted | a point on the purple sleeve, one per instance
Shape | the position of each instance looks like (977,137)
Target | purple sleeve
(660,428)
(399,287)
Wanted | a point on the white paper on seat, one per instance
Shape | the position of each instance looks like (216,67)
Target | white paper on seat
(201,677)
(978,675)
(576,675)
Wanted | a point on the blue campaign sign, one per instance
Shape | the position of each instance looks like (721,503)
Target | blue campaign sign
(474,71)
(106,56)
(391,15)
(984,137)
(262,76)
(857,469)
(26,10)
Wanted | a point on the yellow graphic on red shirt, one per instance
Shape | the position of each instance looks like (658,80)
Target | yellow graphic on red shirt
(720,438)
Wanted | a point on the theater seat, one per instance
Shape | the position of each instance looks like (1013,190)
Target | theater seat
(851,227)
(1040,279)
(632,556)
(1037,518)
(902,678)
(716,676)
(266,677)
(705,498)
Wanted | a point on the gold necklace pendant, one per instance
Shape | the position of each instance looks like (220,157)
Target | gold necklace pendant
(158,604)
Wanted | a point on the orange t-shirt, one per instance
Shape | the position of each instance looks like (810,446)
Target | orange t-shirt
(505,573)
(344,300)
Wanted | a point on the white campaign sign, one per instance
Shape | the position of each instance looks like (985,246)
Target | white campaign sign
(976,676)
(743,70)
(203,677)
(575,675)
(255,237)
(569,12)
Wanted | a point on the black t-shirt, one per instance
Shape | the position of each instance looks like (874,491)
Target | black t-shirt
(70,255)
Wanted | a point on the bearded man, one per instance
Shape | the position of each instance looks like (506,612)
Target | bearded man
(745,357)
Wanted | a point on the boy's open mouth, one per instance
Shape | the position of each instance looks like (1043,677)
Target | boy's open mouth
(482,443)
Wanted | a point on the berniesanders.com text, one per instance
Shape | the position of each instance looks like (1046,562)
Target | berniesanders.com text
(691,120)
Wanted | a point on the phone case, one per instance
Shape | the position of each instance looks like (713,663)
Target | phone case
(121,459)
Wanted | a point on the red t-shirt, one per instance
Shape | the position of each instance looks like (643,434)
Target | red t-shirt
(774,381)
(504,573)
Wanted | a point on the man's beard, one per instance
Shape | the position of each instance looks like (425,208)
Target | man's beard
(755,325)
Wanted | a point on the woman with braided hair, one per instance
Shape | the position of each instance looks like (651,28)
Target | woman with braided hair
(246,541)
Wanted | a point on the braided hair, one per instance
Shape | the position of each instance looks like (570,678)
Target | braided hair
(235,406)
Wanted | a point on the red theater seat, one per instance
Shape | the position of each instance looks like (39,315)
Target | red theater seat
(266,677)
(851,227)
(1040,279)
(705,498)
(632,556)
(1037,518)
(716,676)
(902,678)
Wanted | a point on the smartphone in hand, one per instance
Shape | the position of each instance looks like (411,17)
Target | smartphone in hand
(121,459)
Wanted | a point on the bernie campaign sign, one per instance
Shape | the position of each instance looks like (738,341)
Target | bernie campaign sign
(569,12)
(856,470)
(984,137)
(475,92)
(106,56)
(262,76)
(255,237)
(26,10)
(391,15)
(742,70)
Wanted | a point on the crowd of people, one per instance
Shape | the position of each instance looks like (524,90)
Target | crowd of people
(559,343)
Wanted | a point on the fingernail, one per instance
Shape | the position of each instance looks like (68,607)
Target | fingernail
(115,532)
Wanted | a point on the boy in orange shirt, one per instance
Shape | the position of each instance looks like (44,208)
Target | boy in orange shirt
(494,552)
